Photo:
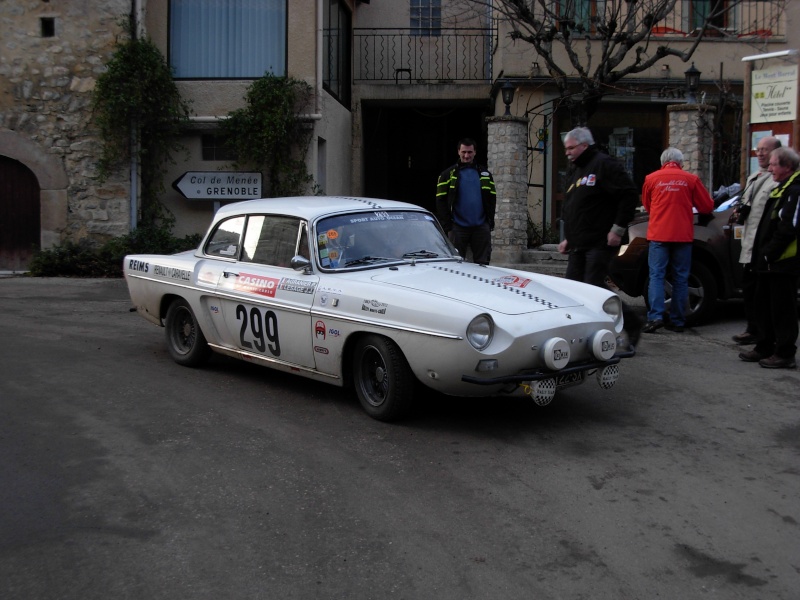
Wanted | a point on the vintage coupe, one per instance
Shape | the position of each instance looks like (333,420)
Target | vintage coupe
(371,293)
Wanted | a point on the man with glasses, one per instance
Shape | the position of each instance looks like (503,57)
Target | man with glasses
(748,213)
(777,263)
(599,203)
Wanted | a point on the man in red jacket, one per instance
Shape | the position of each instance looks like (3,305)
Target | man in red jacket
(670,195)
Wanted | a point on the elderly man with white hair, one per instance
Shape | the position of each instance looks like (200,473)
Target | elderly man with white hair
(670,195)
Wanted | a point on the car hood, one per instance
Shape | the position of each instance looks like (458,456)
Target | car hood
(494,289)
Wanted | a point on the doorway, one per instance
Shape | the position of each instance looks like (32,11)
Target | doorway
(20,215)
(405,148)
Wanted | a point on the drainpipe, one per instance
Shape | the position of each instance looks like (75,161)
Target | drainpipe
(137,14)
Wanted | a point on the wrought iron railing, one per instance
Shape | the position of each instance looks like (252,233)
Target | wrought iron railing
(411,55)
(751,19)
(742,19)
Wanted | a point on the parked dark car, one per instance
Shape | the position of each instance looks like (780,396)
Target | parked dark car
(716,272)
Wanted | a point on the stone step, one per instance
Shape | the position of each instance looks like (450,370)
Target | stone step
(545,259)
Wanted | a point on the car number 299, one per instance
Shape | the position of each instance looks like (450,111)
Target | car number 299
(262,328)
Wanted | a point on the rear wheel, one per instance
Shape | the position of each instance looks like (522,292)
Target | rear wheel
(703,293)
(383,380)
(186,343)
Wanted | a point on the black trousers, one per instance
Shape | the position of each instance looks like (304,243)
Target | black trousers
(478,239)
(776,306)
(591,266)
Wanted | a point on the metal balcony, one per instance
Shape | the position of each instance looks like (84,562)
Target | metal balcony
(422,56)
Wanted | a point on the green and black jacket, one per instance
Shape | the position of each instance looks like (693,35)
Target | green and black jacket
(447,194)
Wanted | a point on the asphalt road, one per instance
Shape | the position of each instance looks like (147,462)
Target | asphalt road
(124,475)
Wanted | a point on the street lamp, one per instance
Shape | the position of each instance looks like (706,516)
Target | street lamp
(508,96)
(692,83)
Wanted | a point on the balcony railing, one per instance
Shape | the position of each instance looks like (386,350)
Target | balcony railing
(405,55)
(742,20)
(727,20)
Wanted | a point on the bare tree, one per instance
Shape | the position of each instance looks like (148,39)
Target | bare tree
(587,46)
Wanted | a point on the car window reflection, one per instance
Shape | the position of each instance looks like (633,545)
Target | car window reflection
(378,237)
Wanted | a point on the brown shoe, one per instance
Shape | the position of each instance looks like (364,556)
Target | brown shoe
(777,362)
(751,356)
(744,339)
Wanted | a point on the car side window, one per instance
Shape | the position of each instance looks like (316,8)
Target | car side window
(271,240)
(226,239)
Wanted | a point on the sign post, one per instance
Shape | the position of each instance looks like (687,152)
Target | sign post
(219,185)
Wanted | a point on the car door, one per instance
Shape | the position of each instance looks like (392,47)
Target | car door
(266,305)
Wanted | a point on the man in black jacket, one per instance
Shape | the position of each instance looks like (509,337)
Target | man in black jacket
(466,203)
(599,203)
(776,260)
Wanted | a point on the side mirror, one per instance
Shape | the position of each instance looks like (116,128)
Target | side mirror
(301,263)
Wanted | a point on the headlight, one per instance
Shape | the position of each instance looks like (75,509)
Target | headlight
(613,308)
(480,332)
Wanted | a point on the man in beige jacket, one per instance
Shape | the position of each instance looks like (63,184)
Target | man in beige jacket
(754,198)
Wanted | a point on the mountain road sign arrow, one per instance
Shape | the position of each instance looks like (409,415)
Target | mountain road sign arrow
(219,185)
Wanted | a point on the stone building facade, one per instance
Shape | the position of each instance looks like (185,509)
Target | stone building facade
(52,54)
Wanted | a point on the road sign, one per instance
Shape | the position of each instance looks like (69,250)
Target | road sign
(219,185)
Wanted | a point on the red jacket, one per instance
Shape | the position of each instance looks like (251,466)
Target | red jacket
(669,195)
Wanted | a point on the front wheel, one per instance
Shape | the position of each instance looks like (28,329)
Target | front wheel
(383,380)
(186,343)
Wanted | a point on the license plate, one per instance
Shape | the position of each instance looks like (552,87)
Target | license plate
(569,379)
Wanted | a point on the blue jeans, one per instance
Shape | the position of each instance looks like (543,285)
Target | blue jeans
(678,256)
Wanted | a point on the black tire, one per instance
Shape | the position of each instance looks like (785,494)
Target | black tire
(383,380)
(186,343)
(703,294)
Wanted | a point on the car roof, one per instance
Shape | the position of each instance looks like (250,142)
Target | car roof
(310,207)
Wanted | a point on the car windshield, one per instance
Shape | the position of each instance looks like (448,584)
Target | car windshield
(376,238)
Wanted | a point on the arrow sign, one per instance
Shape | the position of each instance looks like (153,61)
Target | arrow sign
(219,185)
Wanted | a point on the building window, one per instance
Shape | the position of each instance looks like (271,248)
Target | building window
(713,10)
(215,148)
(227,39)
(578,13)
(426,17)
(48,27)
(337,32)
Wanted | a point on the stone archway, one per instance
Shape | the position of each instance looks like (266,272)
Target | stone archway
(52,179)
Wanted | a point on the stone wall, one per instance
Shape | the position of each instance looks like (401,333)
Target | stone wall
(507,155)
(46,88)
(691,130)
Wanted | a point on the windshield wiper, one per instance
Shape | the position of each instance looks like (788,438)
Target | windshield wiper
(364,260)
(421,254)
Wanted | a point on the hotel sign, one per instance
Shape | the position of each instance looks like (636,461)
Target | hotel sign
(773,94)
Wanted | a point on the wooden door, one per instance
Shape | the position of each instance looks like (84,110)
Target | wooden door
(20,220)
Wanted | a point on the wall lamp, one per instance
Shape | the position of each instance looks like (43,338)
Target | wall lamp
(692,84)
(508,96)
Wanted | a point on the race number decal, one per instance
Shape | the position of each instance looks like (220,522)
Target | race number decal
(261,328)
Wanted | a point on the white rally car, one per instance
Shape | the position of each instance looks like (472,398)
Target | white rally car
(371,293)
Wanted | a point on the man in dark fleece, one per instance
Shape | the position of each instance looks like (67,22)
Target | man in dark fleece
(599,203)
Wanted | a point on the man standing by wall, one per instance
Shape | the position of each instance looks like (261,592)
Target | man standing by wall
(465,204)
(748,212)
(599,203)
(777,263)
(669,195)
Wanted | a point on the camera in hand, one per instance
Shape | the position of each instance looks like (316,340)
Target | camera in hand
(742,211)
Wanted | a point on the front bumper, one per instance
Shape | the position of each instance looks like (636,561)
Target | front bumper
(539,374)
